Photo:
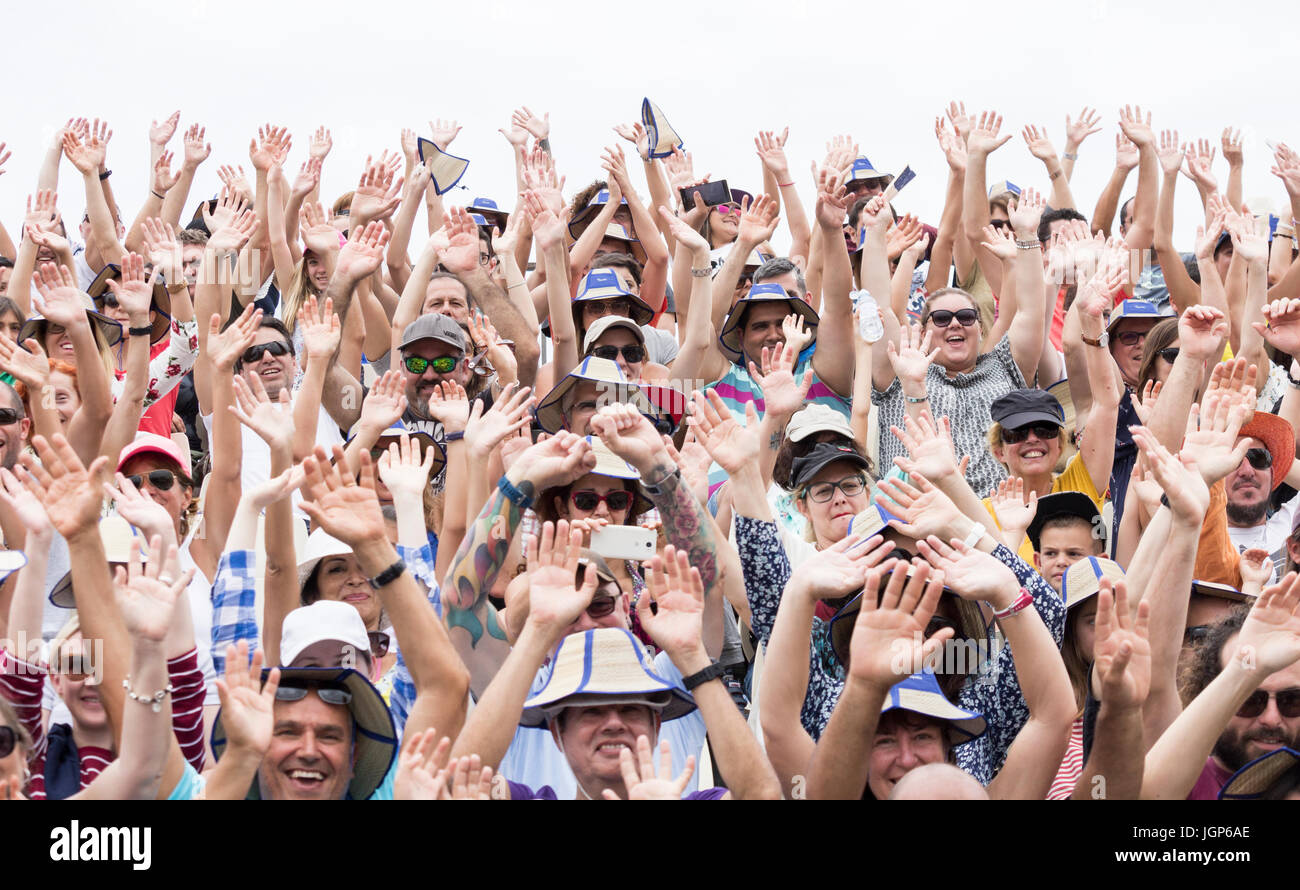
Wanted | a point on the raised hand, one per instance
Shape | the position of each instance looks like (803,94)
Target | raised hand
(999,242)
(1027,213)
(163,249)
(460,255)
(443,132)
(758,221)
(921,508)
(557,460)
(540,176)
(680,167)
(29,364)
(404,470)
(640,778)
(538,127)
(225,347)
(771,151)
(469,780)
(733,445)
(270,148)
(1256,570)
(346,509)
(246,705)
(637,135)
(449,405)
(1126,153)
(1280,327)
(163,177)
(133,292)
(508,415)
(235,233)
(1213,445)
(1232,152)
(683,233)
(23,503)
(1137,130)
(549,228)
(832,197)
(1200,156)
(983,137)
(1171,152)
(87,152)
(888,635)
(906,235)
(1081,129)
(139,509)
(318,235)
(307,179)
(554,599)
(1286,166)
(1249,238)
(320,328)
(929,446)
(971,574)
(1014,512)
(161,134)
(1270,636)
(628,434)
(236,182)
(196,150)
(422,767)
(912,357)
(782,394)
(839,570)
(1038,143)
(42,212)
(57,297)
(952,144)
(147,592)
(485,337)
(384,404)
(378,192)
(961,121)
(272,421)
(71,493)
(1121,650)
(675,586)
(613,163)
(364,252)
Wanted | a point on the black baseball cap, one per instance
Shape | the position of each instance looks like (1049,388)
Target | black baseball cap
(1063,503)
(1021,407)
(823,453)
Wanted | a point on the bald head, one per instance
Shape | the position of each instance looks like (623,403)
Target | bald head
(938,781)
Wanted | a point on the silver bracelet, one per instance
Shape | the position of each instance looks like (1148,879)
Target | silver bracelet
(914,400)
(1027,245)
(701,273)
(154,701)
(1070,156)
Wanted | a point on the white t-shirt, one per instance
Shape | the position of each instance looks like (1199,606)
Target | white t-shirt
(1270,535)
(534,759)
(199,592)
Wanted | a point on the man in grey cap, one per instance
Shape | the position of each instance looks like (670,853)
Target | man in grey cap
(432,351)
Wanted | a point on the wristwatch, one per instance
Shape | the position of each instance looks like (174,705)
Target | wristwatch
(1101,342)
(712,672)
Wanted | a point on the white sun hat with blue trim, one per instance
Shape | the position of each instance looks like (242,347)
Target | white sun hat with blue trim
(732,337)
(1083,579)
(616,388)
(920,693)
(1141,309)
(578,224)
(600,667)
(1003,192)
(445,169)
(663,138)
(863,169)
(488,210)
(604,284)
(1256,777)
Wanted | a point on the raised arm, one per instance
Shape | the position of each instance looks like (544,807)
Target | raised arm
(1139,132)
(982,140)
(833,360)
(87,156)
(1040,146)
(771,150)
(1126,158)
(699,358)
(1183,292)
(1075,133)
(1026,329)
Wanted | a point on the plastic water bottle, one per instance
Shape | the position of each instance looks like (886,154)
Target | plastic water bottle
(868,312)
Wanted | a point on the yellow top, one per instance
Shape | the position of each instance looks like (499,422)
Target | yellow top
(1074,478)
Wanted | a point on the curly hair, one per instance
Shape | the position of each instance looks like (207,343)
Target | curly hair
(1207,660)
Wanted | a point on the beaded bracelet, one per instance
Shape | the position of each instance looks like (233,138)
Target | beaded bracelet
(154,701)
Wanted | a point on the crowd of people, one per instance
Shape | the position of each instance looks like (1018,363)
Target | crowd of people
(600,494)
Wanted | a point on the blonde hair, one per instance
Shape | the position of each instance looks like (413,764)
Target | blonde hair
(995,440)
(295,294)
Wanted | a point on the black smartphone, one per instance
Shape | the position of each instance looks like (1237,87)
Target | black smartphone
(713,193)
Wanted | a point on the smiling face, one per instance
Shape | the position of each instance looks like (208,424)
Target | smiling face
(12,435)
(310,755)
(340,579)
(1033,457)
(1246,738)
(81,695)
(419,387)
(315,271)
(723,227)
(58,343)
(959,344)
(591,739)
(175,500)
(601,486)
(621,337)
(274,371)
(830,519)
(66,399)
(1126,341)
(904,740)
(762,327)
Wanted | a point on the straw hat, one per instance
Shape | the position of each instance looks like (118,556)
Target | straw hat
(920,694)
(550,413)
(1253,779)
(732,337)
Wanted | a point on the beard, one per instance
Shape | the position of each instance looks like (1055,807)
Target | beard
(1231,747)
(1246,515)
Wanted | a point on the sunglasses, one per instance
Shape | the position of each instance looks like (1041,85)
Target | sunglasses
(1044,431)
(10,415)
(443,364)
(1288,703)
(1259,458)
(608,307)
(162,480)
(663,425)
(586,500)
(633,354)
(942,317)
(601,606)
(253,354)
(1169,353)
(852,486)
(1131,338)
(1001,224)
(109,300)
(724,209)
(8,739)
(379,643)
(331,695)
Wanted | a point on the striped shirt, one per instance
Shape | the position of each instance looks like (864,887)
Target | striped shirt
(1071,766)
(737,389)
(965,400)
(23,684)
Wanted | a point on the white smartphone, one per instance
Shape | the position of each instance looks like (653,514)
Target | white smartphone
(625,542)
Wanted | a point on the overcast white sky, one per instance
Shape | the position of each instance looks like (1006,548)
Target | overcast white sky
(879,71)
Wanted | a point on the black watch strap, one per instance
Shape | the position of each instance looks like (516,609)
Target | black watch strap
(388,575)
(144,331)
(712,672)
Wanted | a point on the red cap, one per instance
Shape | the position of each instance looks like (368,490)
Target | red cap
(145,443)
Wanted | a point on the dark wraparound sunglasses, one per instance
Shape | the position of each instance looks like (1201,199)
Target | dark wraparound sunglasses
(1288,703)
(586,500)
(332,695)
(10,415)
(8,739)
(162,480)
(1169,353)
(634,354)
(1044,431)
(253,354)
(1259,458)
(942,317)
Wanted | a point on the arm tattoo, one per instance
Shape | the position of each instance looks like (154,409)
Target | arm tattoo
(685,525)
(477,564)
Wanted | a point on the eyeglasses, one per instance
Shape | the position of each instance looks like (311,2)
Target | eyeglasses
(1288,703)
(852,486)
(633,354)
(8,739)
(942,317)
(1131,338)
(253,354)
(1259,458)
(443,364)
(1169,353)
(1044,431)
(162,480)
(586,500)
(379,643)
(331,695)
(10,415)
